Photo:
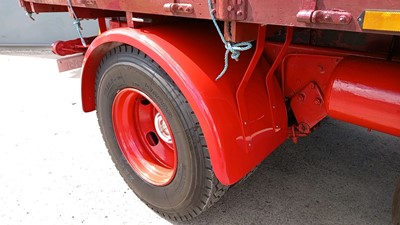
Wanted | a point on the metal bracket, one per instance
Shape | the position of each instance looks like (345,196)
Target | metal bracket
(307,9)
(334,16)
(232,10)
(70,47)
(310,14)
(179,8)
(136,22)
(70,62)
(308,106)
(28,14)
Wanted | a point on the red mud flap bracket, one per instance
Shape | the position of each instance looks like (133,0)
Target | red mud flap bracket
(73,48)
(70,62)
(309,109)
(308,106)
(70,47)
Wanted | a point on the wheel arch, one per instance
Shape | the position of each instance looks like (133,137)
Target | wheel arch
(184,61)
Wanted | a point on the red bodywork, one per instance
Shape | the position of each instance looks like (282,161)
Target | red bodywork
(193,66)
(244,121)
(327,14)
(297,73)
(366,93)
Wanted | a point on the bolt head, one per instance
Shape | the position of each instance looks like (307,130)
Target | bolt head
(343,19)
(318,101)
(301,97)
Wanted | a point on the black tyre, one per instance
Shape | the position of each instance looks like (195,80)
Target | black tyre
(396,205)
(153,136)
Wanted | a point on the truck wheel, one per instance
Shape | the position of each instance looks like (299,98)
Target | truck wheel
(153,136)
(396,205)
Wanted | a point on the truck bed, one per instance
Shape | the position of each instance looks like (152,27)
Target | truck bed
(356,15)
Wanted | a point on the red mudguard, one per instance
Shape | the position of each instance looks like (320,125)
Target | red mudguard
(192,55)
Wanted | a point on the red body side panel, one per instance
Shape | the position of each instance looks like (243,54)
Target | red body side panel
(193,60)
(327,14)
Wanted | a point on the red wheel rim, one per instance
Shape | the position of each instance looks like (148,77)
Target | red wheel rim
(144,136)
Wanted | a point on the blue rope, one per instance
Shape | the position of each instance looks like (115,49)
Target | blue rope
(79,30)
(233,48)
(77,24)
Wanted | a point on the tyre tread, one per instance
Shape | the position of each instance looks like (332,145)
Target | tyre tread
(213,189)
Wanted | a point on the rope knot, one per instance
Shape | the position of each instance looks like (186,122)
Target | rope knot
(233,48)
(77,22)
(236,48)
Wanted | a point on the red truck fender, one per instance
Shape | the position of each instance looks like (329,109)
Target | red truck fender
(193,57)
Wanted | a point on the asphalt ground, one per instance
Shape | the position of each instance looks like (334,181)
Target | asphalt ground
(55,169)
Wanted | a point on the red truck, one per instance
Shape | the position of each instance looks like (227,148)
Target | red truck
(192,95)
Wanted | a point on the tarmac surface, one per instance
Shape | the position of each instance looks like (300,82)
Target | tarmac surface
(55,169)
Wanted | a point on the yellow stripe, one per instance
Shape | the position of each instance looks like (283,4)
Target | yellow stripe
(383,21)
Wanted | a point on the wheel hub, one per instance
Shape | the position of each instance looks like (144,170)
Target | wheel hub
(161,128)
(144,136)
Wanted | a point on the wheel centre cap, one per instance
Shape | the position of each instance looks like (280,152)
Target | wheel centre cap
(162,129)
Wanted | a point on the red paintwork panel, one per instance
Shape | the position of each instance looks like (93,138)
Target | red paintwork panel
(284,12)
(301,69)
(275,12)
(193,60)
(366,93)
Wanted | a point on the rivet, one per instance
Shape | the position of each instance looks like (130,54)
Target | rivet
(301,97)
(343,19)
(318,101)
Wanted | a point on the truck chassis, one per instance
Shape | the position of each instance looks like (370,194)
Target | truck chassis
(183,122)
